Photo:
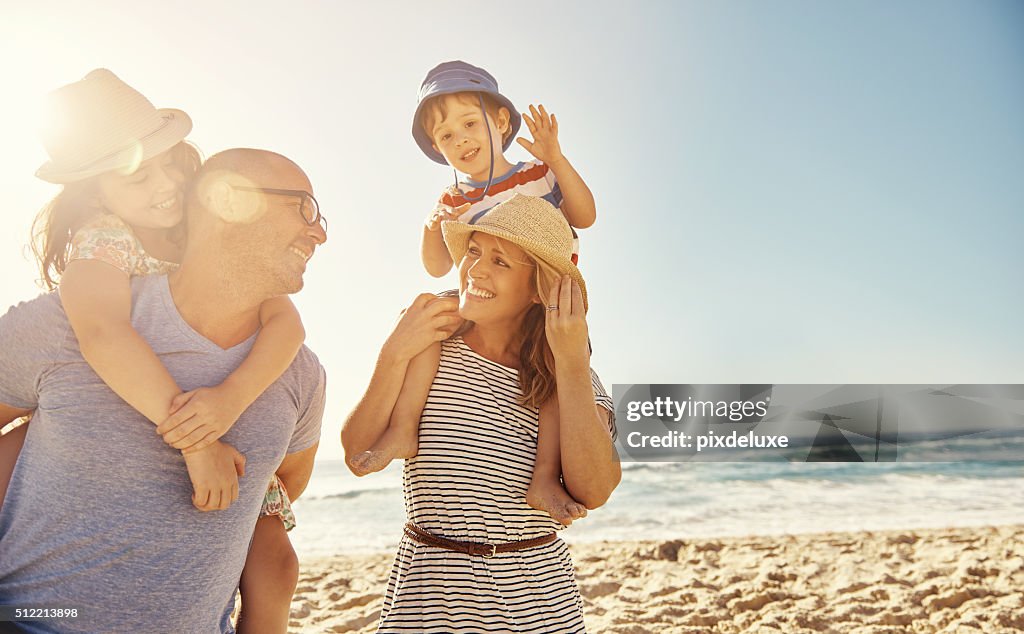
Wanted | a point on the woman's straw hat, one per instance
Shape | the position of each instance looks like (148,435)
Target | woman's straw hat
(531,223)
(101,124)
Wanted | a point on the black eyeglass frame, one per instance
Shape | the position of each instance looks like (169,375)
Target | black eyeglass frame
(301,193)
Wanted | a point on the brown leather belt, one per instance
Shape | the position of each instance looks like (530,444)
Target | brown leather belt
(486,551)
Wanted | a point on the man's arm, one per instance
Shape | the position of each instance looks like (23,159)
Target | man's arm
(9,414)
(10,445)
(295,470)
(31,335)
(297,465)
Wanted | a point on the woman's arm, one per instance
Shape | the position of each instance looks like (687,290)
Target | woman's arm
(406,412)
(428,320)
(204,415)
(590,464)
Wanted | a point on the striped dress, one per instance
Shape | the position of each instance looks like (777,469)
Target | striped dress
(477,447)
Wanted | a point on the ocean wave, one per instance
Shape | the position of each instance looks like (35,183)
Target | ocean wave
(353,494)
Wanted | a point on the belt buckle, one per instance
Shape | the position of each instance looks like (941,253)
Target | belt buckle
(494,550)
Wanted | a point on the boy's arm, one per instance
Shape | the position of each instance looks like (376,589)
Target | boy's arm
(433,251)
(204,415)
(577,199)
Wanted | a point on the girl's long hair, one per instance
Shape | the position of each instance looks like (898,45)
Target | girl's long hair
(77,204)
(536,363)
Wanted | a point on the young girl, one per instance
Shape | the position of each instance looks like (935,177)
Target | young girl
(124,165)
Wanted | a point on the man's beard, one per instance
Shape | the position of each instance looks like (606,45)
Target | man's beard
(262,279)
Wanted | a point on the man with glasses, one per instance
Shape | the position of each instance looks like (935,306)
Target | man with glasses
(309,208)
(98,518)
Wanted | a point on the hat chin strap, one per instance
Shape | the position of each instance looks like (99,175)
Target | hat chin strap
(490,143)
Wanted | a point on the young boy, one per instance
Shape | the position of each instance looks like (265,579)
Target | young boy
(463,121)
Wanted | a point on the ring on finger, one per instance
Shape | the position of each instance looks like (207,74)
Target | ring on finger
(552,307)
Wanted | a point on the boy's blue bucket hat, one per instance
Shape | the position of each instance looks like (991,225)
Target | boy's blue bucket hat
(452,77)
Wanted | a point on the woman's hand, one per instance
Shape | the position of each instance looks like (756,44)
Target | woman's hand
(566,322)
(428,319)
(200,417)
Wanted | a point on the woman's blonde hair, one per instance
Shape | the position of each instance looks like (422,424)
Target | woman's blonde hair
(536,363)
(77,203)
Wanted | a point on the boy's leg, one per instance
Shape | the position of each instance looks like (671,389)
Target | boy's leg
(400,441)
(269,579)
(10,447)
(546,492)
(401,438)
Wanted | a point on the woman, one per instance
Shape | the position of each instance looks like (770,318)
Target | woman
(475,555)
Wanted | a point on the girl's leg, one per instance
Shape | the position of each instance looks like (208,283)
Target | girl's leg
(269,579)
(10,447)
(546,492)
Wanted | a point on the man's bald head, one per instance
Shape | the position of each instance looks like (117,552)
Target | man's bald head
(249,215)
(260,166)
(247,167)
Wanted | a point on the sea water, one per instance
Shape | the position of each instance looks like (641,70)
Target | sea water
(342,514)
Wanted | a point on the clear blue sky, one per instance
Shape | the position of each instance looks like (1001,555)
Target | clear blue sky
(787,191)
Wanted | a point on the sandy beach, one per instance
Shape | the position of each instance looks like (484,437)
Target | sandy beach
(953,580)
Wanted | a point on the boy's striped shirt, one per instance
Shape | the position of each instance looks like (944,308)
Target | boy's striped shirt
(531,178)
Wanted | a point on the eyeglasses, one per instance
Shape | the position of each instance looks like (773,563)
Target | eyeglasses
(309,209)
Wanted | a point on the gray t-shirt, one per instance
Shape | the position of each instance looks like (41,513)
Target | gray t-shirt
(98,515)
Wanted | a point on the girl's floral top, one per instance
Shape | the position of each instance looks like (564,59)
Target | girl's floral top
(107,238)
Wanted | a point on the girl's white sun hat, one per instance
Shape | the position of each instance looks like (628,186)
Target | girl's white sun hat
(100,124)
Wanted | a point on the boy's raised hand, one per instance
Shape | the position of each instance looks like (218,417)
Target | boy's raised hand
(544,128)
